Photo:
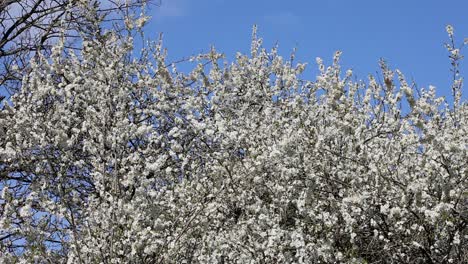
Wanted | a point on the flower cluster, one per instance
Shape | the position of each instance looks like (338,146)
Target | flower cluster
(109,160)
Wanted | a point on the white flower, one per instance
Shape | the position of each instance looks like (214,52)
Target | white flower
(155,166)
(141,21)
(456,238)
(25,211)
(449,30)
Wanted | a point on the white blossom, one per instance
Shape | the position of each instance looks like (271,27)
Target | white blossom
(126,161)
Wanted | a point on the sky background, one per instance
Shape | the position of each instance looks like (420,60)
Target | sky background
(409,35)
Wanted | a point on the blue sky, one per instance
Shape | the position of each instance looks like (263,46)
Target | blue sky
(408,34)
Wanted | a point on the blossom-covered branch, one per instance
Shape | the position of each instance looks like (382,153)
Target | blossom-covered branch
(109,160)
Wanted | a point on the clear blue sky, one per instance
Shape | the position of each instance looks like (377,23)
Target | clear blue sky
(408,34)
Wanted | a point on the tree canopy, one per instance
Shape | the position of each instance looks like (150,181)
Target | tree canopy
(107,158)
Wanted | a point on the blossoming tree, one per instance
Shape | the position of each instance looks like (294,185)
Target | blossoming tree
(28,27)
(108,159)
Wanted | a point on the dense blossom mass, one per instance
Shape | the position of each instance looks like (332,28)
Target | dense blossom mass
(109,159)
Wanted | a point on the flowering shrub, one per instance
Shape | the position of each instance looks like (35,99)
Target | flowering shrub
(105,159)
